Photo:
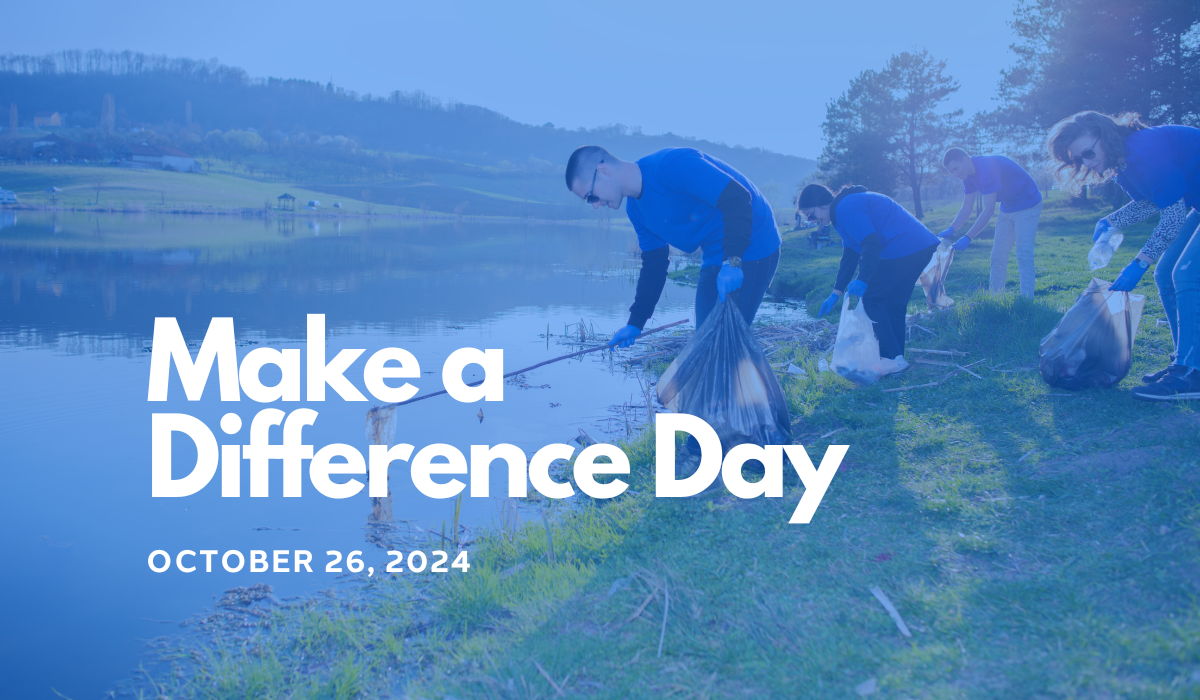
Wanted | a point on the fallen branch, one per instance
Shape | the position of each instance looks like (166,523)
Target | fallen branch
(548,678)
(921,386)
(938,352)
(638,613)
(891,610)
(935,362)
(968,371)
(832,432)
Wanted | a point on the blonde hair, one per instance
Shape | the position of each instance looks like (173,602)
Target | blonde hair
(1111,132)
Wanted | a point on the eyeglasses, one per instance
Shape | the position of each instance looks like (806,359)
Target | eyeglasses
(591,198)
(1089,154)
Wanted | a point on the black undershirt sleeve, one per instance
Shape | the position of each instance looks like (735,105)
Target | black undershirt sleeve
(872,245)
(737,208)
(651,280)
(846,269)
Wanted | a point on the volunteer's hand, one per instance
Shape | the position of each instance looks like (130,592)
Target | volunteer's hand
(729,279)
(857,288)
(827,306)
(1101,226)
(962,243)
(947,233)
(625,336)
(1129,277)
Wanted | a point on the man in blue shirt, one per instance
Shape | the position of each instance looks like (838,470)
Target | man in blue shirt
(998,179)
(684,198)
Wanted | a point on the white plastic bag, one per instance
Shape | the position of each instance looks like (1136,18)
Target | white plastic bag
(856,350)
(933,278)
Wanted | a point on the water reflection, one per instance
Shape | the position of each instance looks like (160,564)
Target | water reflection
(80,295)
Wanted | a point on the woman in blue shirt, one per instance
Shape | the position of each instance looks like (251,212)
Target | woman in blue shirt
(888,247)
(1159,168)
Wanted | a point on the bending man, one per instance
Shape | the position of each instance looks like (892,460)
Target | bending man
(684,198)
(998,179)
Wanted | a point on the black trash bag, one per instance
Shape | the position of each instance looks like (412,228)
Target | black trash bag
(722,377)
(1093,343)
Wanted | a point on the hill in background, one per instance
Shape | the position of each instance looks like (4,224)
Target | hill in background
(404,148)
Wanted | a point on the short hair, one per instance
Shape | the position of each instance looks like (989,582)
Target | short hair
(584,160)
(814,195)
(954,155)
(1110,130)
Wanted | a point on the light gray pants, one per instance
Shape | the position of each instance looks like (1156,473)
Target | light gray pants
(1020,228)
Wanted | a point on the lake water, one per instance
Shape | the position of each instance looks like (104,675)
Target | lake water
(78,298)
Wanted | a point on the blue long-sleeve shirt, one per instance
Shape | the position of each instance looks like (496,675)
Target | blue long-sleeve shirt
(692,200)
(874,227)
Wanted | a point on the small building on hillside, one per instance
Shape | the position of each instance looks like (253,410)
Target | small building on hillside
(51,141)
(47,119)
(286,202)
(162,158)
(177,159)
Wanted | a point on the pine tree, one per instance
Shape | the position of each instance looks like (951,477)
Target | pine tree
(1105,55)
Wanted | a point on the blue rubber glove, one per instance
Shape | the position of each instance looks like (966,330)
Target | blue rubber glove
(1129,277)
(857,288)
(947,233)
(729,279)
(1101,226)
(827,305)
(625,336)
(962,243)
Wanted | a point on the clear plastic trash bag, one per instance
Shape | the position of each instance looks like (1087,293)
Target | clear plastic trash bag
(933,279)
(856,349)
(722,377)
(1093,343)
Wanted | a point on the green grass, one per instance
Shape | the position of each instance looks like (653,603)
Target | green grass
(159,190)
(1039,543)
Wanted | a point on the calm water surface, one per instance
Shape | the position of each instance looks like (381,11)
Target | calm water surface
(78,298)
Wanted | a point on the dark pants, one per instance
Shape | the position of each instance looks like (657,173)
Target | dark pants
(886,299)
(757,276)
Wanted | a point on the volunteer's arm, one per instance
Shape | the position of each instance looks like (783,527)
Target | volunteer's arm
(651,280)
(846,269)
(736,207)
(1170,221)
(989,208)
(963,216)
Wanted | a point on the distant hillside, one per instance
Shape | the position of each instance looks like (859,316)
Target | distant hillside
(150,90)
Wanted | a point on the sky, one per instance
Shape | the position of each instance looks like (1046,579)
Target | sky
(755,74)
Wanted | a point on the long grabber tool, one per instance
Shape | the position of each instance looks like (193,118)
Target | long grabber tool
(643,334)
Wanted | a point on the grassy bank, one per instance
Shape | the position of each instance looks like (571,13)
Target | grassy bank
(1038,543)
(122,189)
(105,188)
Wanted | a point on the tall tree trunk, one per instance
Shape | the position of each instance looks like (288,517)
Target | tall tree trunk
(914,181)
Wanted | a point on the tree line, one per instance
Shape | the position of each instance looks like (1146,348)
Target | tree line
(175,93)
(890,127)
